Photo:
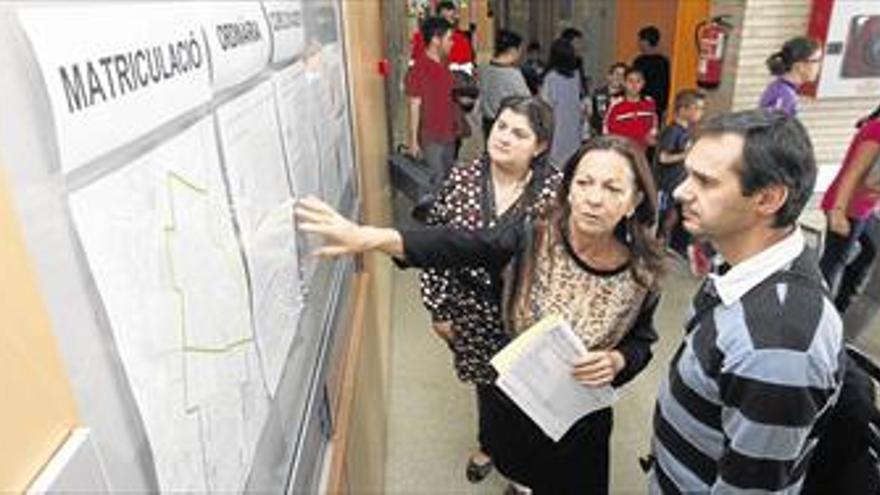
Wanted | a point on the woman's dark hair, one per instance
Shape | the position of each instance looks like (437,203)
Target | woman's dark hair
(505,40)
(562,58)
(798,49)
(647,255)
(867,118)
(540,116)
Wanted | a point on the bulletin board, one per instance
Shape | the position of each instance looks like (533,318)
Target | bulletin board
(154,151)
(850,34)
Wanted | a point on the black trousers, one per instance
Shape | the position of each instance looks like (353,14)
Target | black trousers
(834,262)
(577,464)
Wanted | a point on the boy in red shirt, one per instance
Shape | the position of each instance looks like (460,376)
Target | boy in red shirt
(432,113)
(633,116)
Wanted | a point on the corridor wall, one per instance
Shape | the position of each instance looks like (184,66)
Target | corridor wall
(153,152)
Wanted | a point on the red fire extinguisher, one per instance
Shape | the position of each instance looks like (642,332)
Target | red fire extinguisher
(711,36)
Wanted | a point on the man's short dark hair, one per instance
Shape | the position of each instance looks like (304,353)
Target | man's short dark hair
(650,35)
(434,26)
(505,40)
(444,6)
(571,34)
(776,150)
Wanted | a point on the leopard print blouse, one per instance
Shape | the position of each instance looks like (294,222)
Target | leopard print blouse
(470,298)
(601,305)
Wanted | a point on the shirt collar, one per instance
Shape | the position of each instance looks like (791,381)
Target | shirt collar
(744,276)
(789,84)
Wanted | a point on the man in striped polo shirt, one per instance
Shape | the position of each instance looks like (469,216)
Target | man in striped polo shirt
(761,363)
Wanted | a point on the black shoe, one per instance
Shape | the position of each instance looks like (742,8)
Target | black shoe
(476,473)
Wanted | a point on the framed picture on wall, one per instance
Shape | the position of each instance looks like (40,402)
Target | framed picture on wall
(850,31)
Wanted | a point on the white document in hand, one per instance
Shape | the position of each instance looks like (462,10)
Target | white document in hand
(535,372)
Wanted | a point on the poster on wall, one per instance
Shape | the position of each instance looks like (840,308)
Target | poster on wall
(301,144)
(262,199)
(116,72)
(287,26)
(162,251)
(851,33)
(239,41)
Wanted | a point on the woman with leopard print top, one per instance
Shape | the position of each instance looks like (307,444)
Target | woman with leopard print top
(594,260)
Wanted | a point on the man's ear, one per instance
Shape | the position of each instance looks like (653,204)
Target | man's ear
(769,200)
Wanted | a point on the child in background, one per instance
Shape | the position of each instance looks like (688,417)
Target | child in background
(634,116)
(674,142)
(603,97)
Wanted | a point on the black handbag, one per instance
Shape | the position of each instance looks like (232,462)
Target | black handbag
(410,176)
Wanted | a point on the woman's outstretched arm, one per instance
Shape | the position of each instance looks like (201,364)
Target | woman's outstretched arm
(423,247)
(342,236)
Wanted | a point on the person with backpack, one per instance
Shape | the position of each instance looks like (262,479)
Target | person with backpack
(761,366)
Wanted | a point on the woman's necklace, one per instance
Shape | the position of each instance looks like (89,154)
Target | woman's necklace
(505,198)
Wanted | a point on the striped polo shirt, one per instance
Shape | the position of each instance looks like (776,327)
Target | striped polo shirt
(746,393)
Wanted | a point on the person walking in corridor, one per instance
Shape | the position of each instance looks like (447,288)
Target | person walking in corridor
(429,87)
(562,90)
(849,205)
(794,65)
(501,77)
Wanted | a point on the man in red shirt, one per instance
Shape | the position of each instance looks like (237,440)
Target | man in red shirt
(432,112)
(633,116)
(461,55)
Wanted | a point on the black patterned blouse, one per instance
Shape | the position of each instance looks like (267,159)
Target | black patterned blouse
(470,298)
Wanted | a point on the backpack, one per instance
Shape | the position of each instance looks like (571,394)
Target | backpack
(845,459)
